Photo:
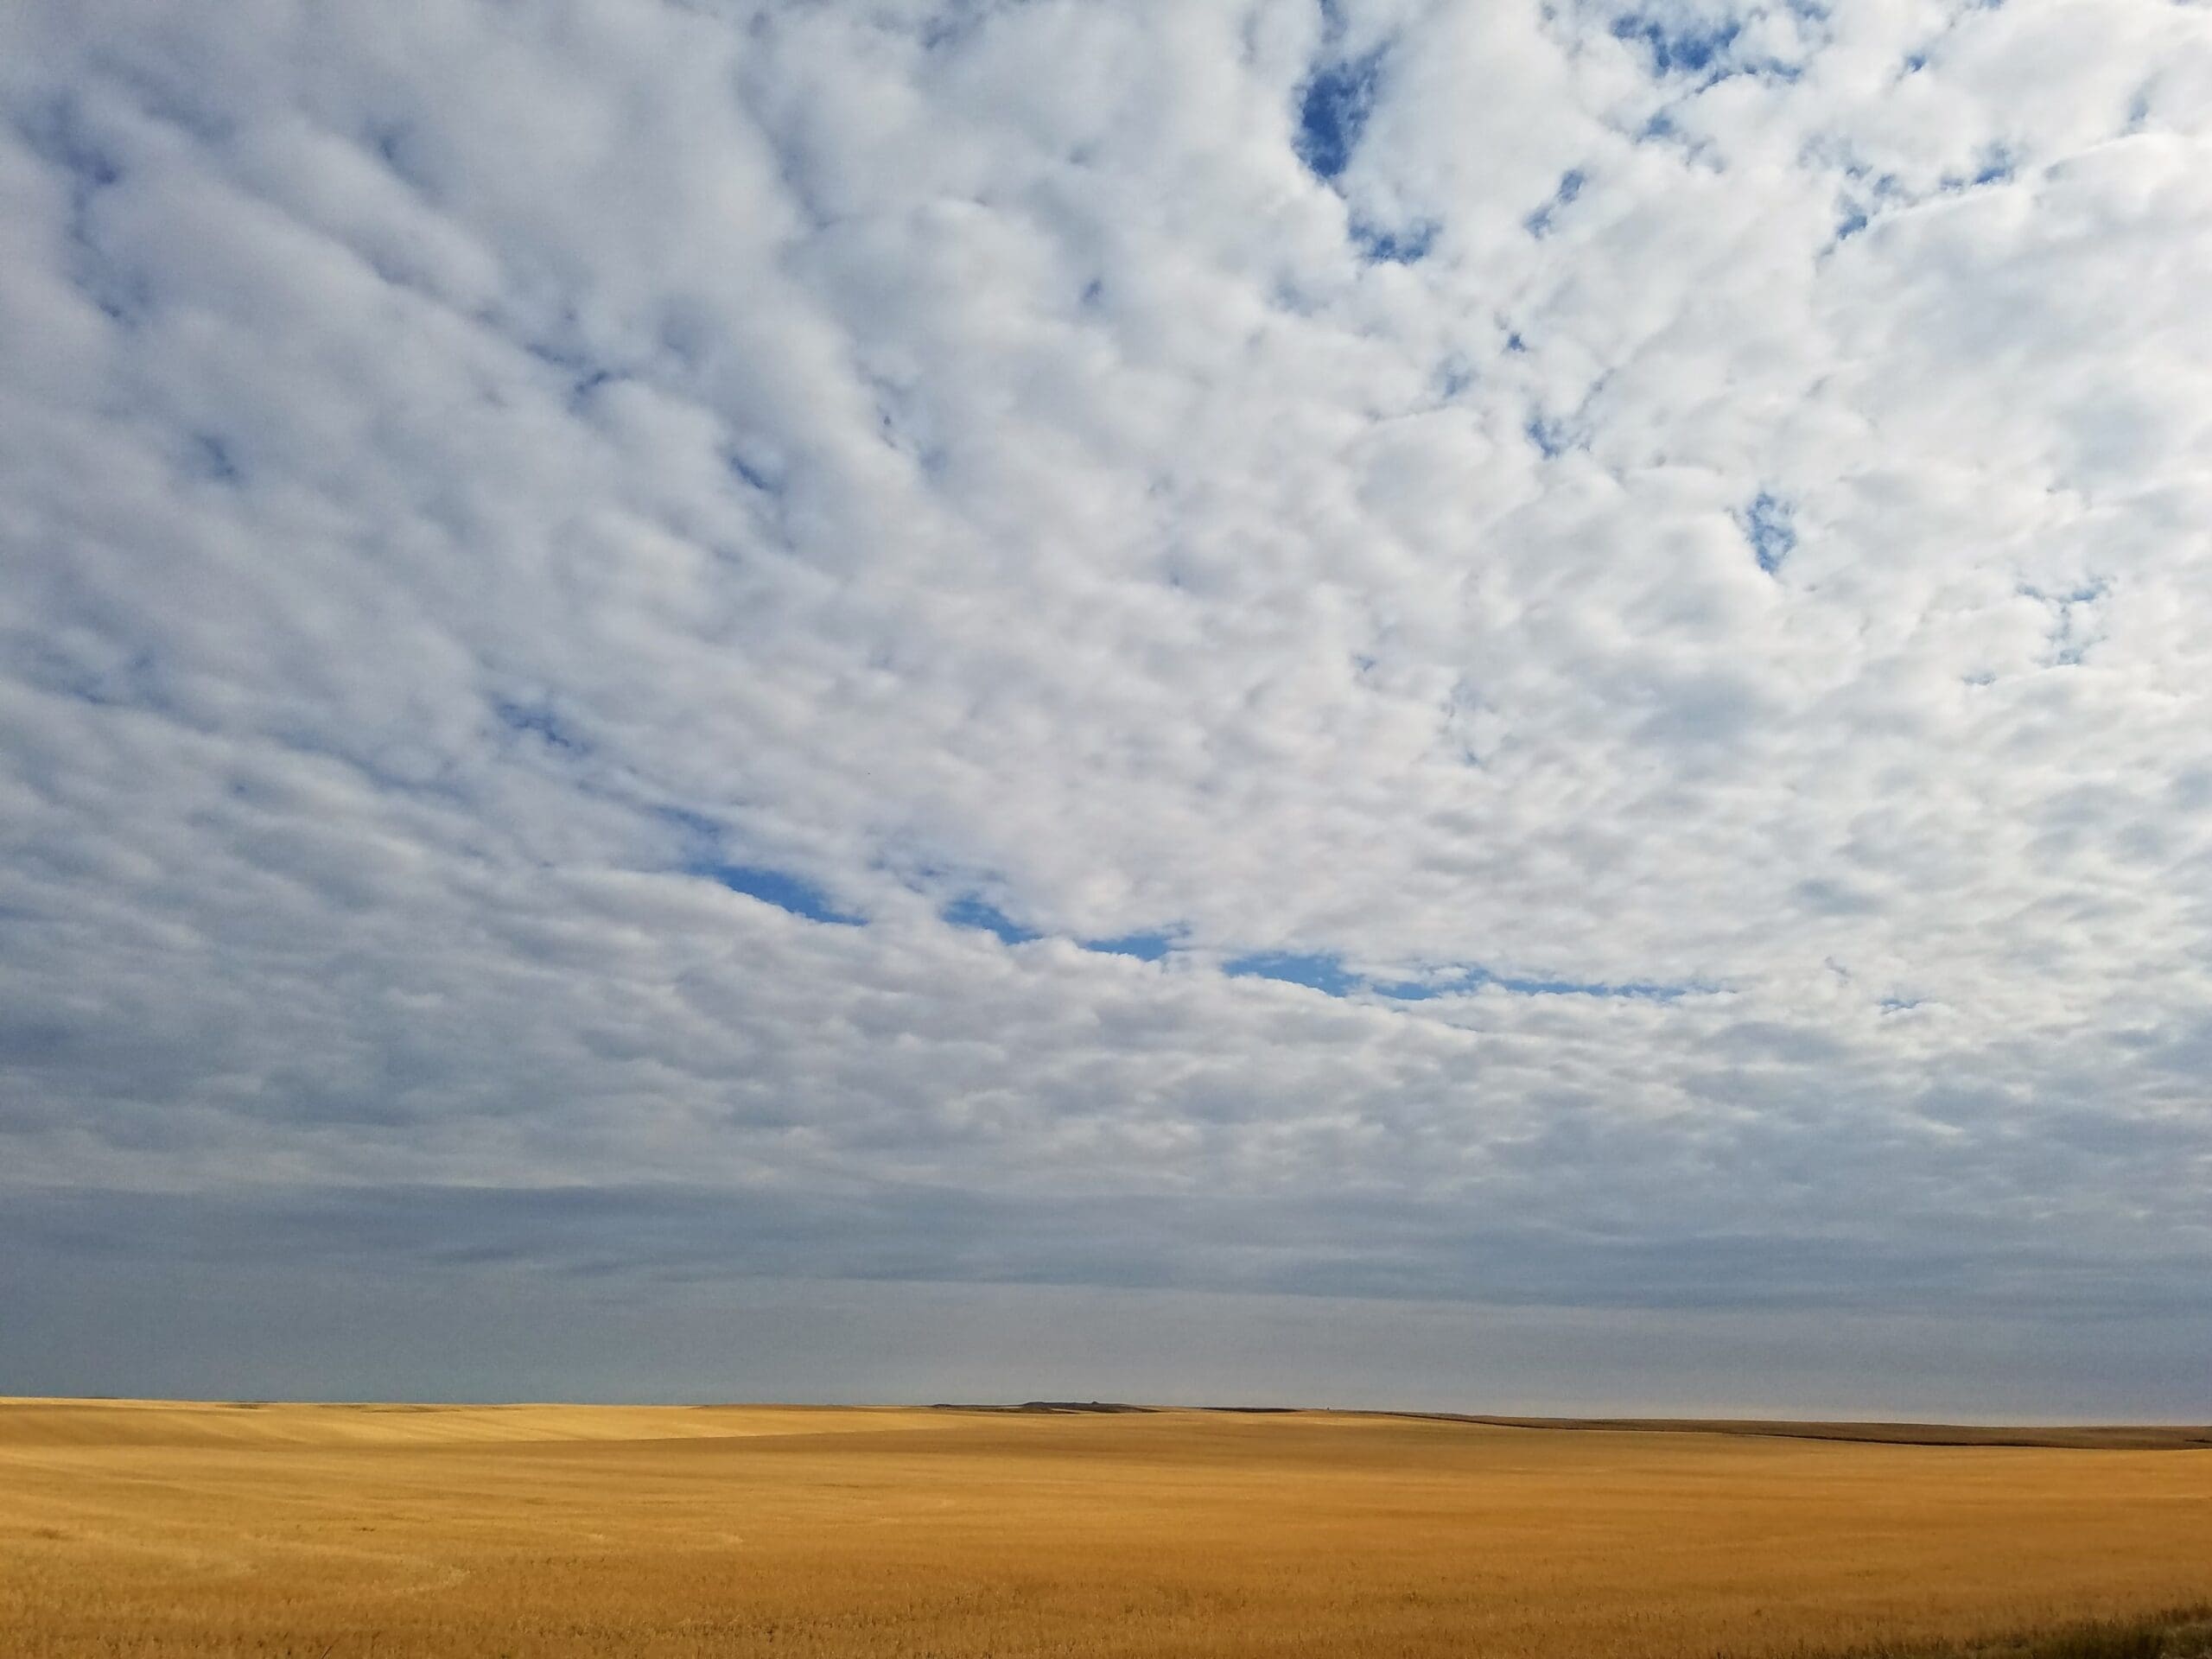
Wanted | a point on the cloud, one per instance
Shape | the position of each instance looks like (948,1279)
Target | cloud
(1428,623)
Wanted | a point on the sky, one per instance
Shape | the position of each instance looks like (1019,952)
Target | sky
(1498,704)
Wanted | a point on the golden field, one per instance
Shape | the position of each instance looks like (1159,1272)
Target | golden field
(331,1532)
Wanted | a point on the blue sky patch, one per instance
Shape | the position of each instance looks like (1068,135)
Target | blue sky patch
(1333,112)
(1550,436)
(1400,247)
(1632,991)
(1146,947)
(1325,972)
(1474,979)
(781,889)
(1768,525)
(1539,224)
(1420,990)
(1319,972)
(1677,47)
(1868,192)
(987,917)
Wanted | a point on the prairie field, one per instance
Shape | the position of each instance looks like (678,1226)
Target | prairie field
(330,1532)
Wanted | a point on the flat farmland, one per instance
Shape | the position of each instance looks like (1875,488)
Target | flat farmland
(333,1531)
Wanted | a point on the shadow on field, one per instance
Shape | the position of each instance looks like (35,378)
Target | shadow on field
(2183,1634)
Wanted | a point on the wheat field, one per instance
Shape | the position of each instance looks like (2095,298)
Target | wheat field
(330,1532)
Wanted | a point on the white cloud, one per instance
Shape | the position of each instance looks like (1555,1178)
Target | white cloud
(464,472)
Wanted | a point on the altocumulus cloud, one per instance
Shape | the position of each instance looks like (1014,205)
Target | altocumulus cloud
(1445,655)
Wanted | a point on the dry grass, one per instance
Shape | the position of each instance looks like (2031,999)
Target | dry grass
(342,1531)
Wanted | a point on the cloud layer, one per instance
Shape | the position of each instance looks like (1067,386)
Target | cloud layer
(1538,655)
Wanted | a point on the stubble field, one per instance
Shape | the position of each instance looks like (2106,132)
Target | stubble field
(331,1532)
